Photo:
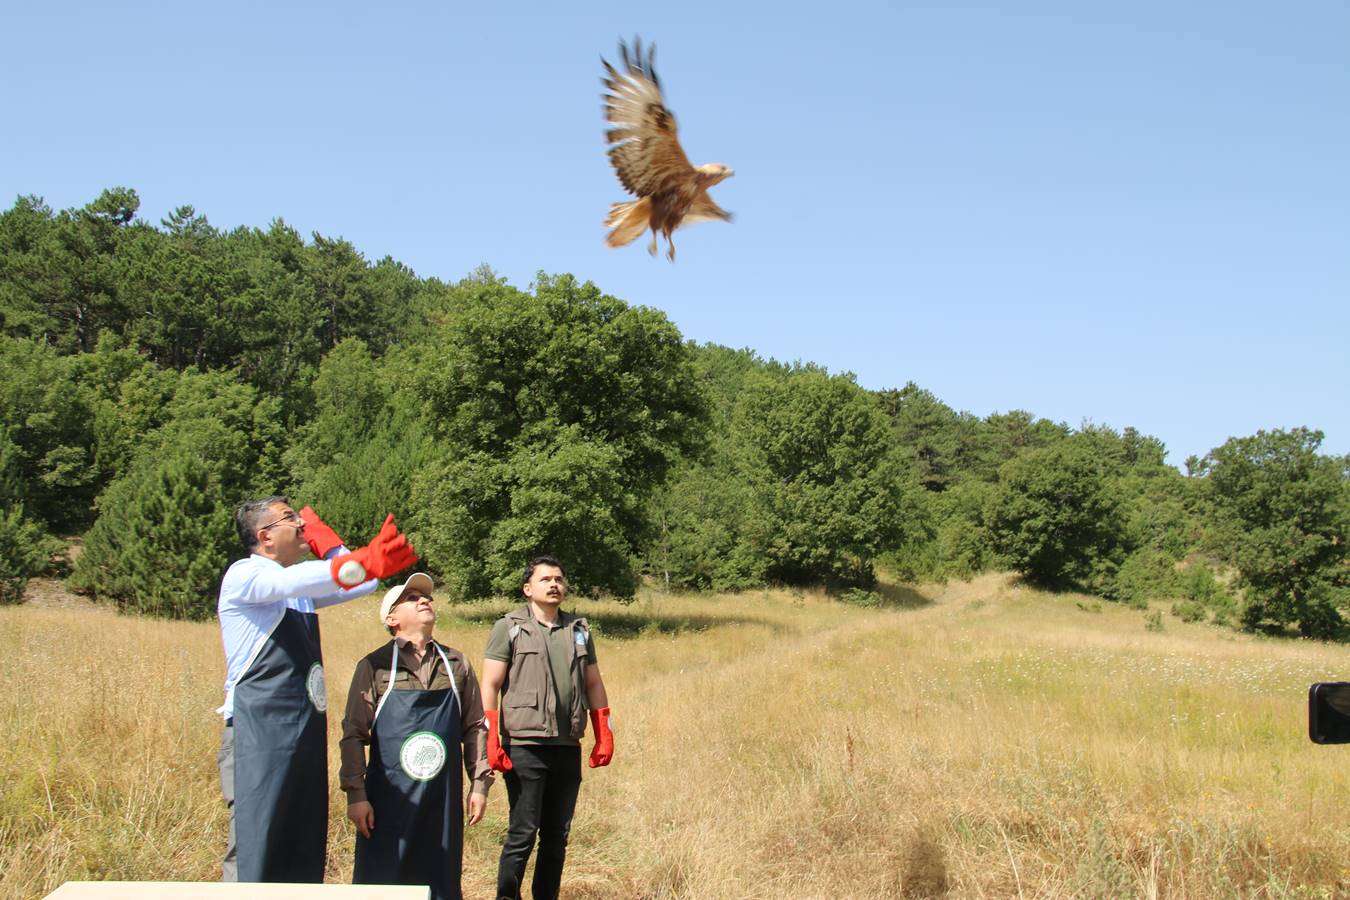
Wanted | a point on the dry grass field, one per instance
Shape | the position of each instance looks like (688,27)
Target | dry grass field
(974,740)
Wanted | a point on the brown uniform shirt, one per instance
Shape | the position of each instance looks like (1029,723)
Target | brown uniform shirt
(371,680)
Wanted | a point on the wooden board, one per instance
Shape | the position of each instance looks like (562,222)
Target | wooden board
(215,890)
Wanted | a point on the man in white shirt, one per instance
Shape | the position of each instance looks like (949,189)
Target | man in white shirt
(274,755)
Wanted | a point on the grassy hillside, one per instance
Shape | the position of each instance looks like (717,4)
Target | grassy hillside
(977,740)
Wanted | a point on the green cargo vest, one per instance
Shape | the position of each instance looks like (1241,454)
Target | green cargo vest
(528,699)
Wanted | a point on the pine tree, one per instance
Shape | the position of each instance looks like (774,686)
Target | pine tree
(162,540)
(25,548)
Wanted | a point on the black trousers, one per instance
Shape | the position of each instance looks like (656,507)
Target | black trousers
(542,787)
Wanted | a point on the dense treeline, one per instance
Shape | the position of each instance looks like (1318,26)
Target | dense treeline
(152,376)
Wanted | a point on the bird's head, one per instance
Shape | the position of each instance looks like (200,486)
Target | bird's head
(712,173)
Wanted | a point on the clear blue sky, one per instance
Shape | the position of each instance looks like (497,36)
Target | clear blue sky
(1130,213)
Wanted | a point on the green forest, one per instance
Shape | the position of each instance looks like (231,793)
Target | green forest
(153,376)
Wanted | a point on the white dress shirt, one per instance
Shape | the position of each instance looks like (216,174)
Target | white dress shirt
(255,594)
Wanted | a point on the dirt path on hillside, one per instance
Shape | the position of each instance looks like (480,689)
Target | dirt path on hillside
(50,593)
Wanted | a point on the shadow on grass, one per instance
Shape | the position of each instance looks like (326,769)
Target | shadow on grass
(898,596)
(634,624)
(637,624)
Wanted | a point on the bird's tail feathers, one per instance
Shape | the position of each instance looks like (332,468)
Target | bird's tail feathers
(628,220)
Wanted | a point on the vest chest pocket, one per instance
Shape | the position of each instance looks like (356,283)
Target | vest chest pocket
(526,662)
(527,682)
(523,704)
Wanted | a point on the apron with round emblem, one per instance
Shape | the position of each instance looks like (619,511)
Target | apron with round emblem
(281,756)
(415,784)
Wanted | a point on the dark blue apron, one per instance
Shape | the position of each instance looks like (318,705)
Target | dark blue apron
(281,756)
(415,784)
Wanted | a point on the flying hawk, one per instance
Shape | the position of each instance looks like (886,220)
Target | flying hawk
(648,159)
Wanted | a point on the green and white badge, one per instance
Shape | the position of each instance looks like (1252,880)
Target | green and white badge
(422,756)
(317,688)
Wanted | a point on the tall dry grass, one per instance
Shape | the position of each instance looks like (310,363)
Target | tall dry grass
(978,740)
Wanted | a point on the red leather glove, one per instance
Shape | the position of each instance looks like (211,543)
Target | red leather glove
(604,738)
(318,535)
(389,554)
(497,757)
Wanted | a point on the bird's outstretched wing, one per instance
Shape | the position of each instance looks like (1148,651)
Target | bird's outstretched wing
(644,148)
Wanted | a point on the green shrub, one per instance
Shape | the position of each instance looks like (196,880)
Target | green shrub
(25,550)
(917,561)
(1055,516)
(1189,611)
(1145,575)
(828,491)
(949,539)
(1282,517)
(698,520)
(1199,584)
(860,597)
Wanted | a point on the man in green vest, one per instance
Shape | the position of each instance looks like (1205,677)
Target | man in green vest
(539,680)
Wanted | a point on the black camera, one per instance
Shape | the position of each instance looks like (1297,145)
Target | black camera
(1329,712)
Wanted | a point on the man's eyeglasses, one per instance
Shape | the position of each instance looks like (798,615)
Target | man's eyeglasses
(291,518)
(413,598)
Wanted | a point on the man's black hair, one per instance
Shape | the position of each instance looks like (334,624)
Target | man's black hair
(541,561)
(251,516)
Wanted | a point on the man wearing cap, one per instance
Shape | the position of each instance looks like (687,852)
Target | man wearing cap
(540,674)
(416,703)
(274,749)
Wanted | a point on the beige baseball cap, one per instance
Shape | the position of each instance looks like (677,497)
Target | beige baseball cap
(419,581)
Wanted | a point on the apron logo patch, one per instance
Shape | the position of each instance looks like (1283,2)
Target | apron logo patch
(422,756)
(317,688)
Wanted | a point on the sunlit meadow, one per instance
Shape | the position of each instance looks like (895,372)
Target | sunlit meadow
(970,740)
